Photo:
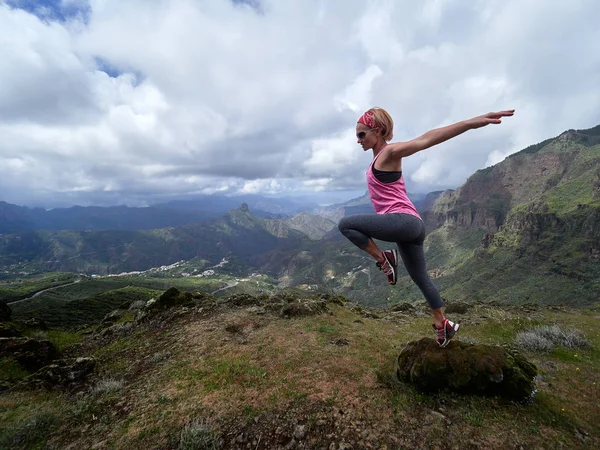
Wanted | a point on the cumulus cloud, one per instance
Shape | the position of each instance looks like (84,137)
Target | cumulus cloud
(134,102)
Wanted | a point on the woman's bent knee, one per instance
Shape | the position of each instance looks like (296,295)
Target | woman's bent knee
(343,224)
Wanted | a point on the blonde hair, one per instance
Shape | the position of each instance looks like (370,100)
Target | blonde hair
(384,122)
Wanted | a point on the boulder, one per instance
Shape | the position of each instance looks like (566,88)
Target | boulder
(113,316)
(456,308)
(170,298)
(467,369)
(5,311)
(138,305)
(110,319)
(243,300)
(63,373)
(301,308)
(204,299)
(31,354)
(403,307)
(335,299)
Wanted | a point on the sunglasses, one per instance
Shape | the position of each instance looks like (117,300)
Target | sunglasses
(362,134)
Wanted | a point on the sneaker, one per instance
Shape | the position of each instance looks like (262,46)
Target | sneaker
(389,265)
(446,332)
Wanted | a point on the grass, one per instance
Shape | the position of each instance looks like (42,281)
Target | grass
(88,301)
(11,370)
(568,195)
(272,374)
(58,312)
(17,288)
(31,434)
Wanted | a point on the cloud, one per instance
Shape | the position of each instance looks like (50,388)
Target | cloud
(131,102)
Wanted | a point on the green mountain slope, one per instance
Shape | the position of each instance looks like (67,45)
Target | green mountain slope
(538,213)
(239,233)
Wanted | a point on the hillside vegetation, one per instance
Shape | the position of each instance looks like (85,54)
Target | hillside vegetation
(236,374)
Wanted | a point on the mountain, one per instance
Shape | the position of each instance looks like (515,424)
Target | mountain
(239,233)
(314,226)
(15,218)
(362,205)
(526,229)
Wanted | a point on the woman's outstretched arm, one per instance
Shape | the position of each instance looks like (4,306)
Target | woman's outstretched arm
(439,135)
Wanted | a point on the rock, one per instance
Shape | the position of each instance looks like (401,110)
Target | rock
(64,373)
(300,432)
(466,368)
(259,310)
(125,305)
(335,299)
(37,324)
(456,308)
(204,299)
(243,300)
(403,307)
(170,298)
(118,329)
(301,308)
(31,354)
(140,316)
(9,330)
(138,305)
(5,311)
(113,316)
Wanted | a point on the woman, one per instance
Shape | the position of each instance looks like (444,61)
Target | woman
(396,219)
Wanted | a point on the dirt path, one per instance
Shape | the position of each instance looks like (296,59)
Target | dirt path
(46,290)
(229,285)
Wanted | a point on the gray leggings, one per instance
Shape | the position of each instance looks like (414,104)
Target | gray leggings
(408,232)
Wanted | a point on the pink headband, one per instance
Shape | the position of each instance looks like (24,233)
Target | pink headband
(368,119)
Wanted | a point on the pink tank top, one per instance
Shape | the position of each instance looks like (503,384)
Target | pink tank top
(389,198)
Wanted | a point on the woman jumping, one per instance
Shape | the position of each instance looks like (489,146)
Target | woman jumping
(396,219)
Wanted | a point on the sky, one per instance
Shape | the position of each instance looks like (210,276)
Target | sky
(106,102)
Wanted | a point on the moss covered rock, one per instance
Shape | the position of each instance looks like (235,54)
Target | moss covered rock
(303,307)
(65,373)
(170,298)
(467,369)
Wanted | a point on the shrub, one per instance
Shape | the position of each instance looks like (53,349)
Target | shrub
(108,386)
(160,356)
(199,435)
(544,338)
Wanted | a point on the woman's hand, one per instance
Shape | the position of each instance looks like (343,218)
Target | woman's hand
(486,119)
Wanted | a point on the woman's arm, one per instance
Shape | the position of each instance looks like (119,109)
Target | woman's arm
(399,150)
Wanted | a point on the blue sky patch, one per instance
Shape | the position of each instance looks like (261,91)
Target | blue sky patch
(106,67)
(255,4)
(114,71)
(53,10)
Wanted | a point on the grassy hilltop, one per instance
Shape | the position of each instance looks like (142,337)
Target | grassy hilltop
(232,373)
